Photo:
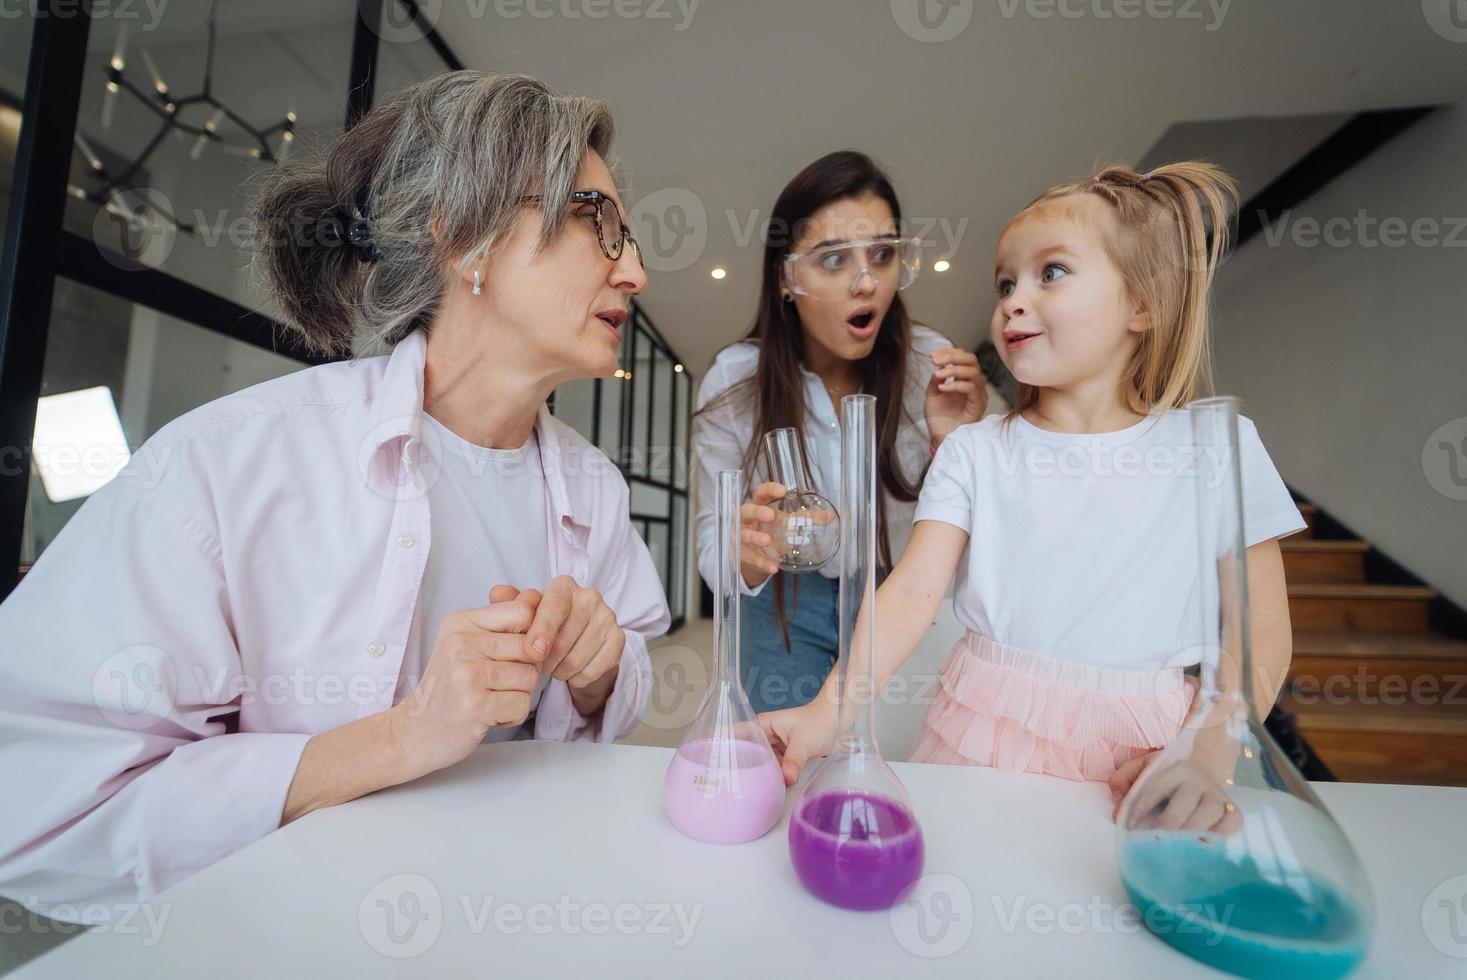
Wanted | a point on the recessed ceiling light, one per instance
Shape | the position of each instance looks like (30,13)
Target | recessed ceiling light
(941,265)
(678,368)
(719,273)
(617,373)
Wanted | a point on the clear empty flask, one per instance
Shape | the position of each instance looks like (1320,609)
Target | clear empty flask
(806,527)
(854,839)
(724,785)
(1222,844)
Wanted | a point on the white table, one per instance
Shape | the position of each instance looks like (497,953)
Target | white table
(510,862)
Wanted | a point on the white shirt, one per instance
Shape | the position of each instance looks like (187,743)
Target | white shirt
(1085,547)
(494,502)
(721,437)
(262,555)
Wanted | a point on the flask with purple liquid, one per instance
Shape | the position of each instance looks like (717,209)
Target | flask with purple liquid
(854,839)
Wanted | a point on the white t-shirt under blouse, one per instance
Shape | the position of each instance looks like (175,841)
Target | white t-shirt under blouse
(1084,547)
(488,512)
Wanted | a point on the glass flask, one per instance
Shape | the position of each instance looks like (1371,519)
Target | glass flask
(854,839)
(806,527)
(1222,845)
(724,785)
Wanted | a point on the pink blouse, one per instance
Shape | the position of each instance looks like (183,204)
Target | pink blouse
(262,553)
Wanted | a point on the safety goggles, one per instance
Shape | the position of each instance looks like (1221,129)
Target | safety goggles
(836,271)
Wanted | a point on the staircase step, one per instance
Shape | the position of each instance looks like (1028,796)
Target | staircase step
(1379,646)
(1374,667)
(1308,511)
(1412,742)
(1313,560)
(1359,607)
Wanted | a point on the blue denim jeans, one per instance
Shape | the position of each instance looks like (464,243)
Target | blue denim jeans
(775,677)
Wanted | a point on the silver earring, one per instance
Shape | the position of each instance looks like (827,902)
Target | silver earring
(476,289)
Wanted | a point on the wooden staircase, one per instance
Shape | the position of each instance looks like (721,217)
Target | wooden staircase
(1375,691)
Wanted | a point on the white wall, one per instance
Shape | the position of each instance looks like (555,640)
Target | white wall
(174,367)
(1349,357)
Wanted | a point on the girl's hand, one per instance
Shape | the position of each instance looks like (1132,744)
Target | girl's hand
(798,735)
(754,557)
(1185,796)
(956,395)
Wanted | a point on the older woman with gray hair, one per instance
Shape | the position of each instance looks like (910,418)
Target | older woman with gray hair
(376,564)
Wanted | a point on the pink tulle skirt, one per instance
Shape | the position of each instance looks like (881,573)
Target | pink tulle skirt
(1017,711)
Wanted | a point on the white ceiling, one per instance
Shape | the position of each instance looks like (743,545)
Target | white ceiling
(719,115)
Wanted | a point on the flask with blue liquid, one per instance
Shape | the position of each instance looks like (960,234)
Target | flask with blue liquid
(1222,844)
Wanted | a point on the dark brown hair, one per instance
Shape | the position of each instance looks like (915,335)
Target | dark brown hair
(775,393)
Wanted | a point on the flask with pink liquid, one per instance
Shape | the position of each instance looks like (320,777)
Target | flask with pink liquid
(724,785)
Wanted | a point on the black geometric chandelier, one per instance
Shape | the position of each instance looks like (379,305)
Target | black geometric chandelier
(168,108)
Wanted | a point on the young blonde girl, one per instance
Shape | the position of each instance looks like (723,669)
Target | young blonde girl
(1069,523)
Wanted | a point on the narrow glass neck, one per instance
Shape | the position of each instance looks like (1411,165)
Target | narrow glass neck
(858,571)
(1227,655)
(785,458)
(726,575)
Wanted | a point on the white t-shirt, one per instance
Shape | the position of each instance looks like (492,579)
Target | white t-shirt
(721,436)
(1085,547)
(488,521)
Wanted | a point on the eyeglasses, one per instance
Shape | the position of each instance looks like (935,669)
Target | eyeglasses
(834,271)
(611,231)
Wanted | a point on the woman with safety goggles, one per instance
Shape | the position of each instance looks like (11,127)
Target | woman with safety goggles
(830,323)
